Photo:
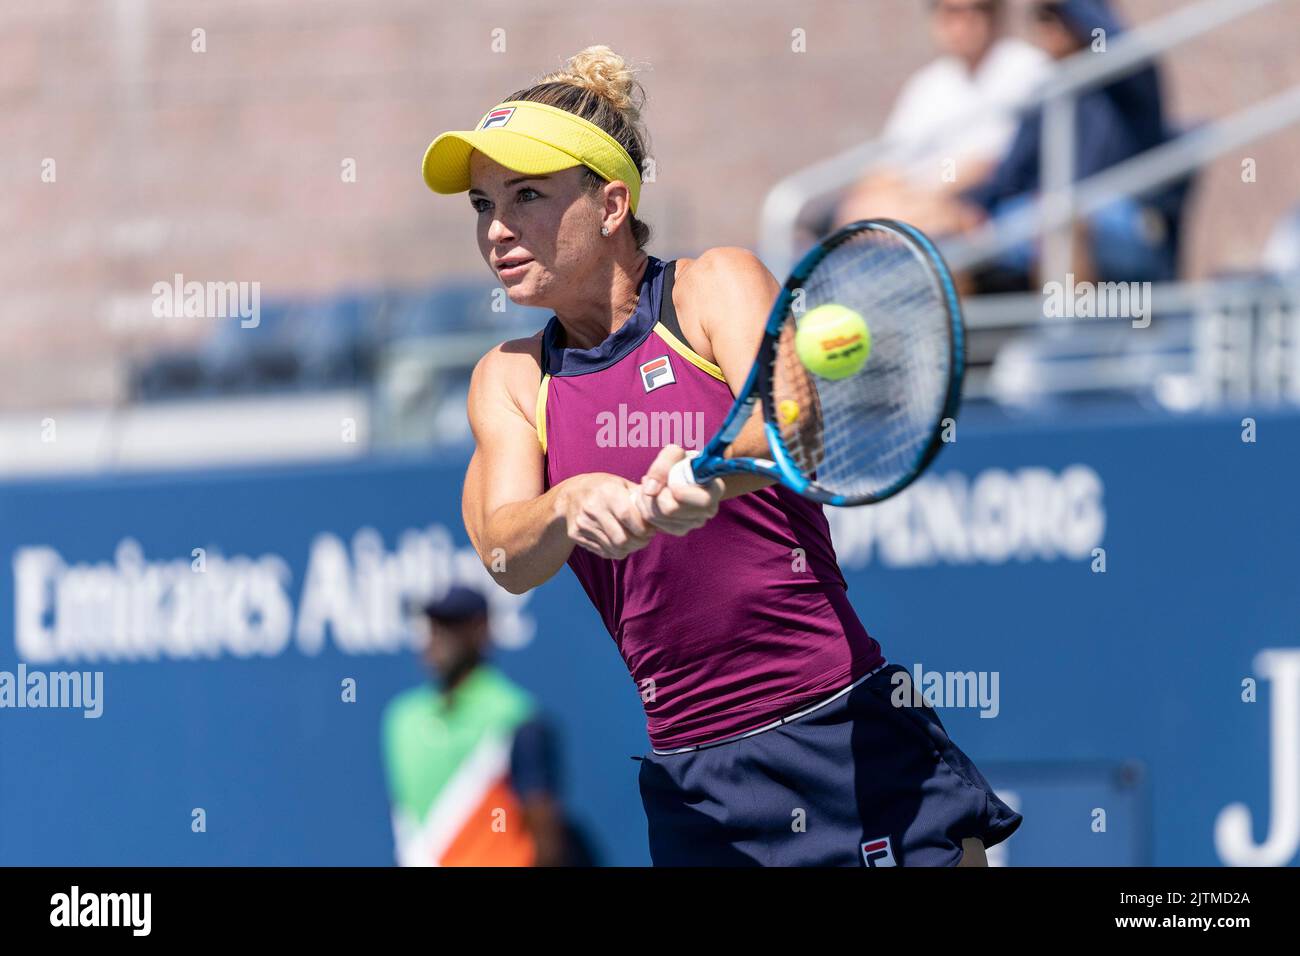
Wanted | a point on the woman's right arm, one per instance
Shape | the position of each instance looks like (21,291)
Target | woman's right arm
(522,531)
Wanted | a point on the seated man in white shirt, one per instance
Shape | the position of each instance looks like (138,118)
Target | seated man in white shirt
(953,119)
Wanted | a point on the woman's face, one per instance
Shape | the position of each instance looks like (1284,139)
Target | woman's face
(539,234)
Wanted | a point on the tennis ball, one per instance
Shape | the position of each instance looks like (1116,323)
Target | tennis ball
(788,410)
(833,341)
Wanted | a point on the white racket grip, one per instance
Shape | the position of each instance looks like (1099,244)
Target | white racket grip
(681,473)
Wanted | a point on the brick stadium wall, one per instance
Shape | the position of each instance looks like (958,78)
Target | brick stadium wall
(225,165)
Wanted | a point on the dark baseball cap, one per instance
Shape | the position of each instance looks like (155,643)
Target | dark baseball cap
(459,603)
(1080,17)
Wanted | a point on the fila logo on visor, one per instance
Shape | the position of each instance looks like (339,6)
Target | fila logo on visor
(878,853)
(657,373)
(498,117)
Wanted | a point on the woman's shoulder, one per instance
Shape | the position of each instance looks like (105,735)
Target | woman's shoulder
(720,283)
(719,264)
(515,367)
(512,357)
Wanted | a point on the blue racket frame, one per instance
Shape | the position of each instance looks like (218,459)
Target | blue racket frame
(710,462)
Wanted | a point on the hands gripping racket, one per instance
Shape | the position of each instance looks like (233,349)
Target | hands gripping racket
(844,427)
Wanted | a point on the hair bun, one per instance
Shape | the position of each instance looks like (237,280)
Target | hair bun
(605,73)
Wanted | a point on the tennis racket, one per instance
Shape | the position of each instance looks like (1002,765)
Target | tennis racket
(861,438)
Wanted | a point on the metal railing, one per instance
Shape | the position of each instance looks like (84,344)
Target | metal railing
(1197,346)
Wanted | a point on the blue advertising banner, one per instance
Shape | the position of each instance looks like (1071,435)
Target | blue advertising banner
(193,667)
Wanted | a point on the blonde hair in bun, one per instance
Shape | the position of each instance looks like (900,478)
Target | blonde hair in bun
(605,73)
(601,87)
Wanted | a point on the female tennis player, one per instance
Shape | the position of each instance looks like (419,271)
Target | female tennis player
(775,740)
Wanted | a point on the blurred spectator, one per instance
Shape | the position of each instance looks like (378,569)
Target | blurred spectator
(954,118)
(1130,239)
(1282,254)
(471,765)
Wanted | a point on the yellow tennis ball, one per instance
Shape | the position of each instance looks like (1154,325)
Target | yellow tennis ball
(788,411)
(833,341)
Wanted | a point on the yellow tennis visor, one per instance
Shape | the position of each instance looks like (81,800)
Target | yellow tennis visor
(533,139)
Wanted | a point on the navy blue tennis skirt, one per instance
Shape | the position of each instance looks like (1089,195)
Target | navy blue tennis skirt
(856,782)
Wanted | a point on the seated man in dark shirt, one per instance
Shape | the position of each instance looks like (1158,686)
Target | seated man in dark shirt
(1129,239)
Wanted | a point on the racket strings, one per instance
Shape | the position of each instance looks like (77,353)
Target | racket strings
(861,435)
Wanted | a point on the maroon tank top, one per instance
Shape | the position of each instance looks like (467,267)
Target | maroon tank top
(739,622)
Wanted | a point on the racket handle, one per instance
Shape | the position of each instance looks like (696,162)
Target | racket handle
(682,473)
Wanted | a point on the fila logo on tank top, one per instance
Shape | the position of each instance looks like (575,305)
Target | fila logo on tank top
(657,373)
(738,622)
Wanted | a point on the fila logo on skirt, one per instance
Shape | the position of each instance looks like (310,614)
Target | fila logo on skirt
(878,853)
